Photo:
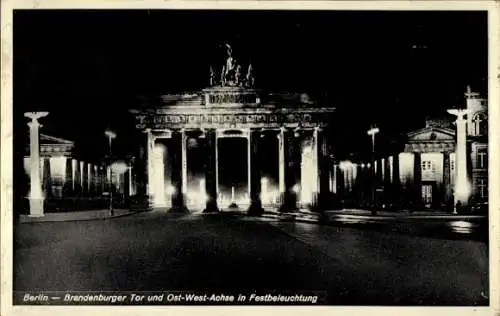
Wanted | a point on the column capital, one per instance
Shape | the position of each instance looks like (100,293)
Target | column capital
(35,115)
(34,124)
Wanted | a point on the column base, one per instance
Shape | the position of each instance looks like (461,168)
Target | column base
(211,207)
(36,207)
(178,209)
(288,207)
(255,209)
(288,203)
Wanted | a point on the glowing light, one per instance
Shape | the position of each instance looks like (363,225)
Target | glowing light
(362,165)
(382,167)
(406,161)
(110,134)
(202,187)
(158,178)
(74,164)
(373,131)
(296,188)
(461,227)
(58,168)
(27,165)
(346,164)
(391,169)
(368,165)
(119,167)
(264,182)
(309,171)
(170,190)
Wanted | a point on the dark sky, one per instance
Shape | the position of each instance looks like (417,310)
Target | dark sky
(88,67)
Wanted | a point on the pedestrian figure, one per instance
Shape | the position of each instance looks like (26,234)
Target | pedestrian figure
(458,207)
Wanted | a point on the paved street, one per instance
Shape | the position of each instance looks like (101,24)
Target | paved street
(353,263)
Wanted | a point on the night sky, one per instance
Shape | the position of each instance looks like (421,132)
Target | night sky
(393,69)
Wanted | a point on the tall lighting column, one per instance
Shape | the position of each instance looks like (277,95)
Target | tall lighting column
(111,135)
(372,132)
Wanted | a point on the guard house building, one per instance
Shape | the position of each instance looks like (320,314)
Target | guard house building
(232,107)
(422,172)
(69,182)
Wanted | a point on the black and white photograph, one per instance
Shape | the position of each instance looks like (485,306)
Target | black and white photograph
(251,157)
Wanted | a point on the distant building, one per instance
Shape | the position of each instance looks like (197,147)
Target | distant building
(422,174)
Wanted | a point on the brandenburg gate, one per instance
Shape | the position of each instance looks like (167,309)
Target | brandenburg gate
(231,107)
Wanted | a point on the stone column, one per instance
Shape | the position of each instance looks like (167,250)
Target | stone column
(36,197)
(178,198)
(211,171)
(316,147)
(46,179)
(447,189)
(462,186)
(130,180)
(281,166)
(255,175)
(324,171)
(85,178)
(289,203)
(417,180)
(215,149)
(184,176)
(396,180)
(250,139)
(339,179)
(149,162)
(90,178)
(68,178)
(78,178)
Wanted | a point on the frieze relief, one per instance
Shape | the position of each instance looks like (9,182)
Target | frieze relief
(430,147)
(230,120)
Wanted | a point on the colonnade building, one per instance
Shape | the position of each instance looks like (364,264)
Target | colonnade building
(68,182)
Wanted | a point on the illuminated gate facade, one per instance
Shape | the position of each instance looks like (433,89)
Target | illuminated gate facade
(231,107)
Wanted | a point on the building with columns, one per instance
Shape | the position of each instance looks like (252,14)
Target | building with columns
(65,177)
(423,174)
(232,108)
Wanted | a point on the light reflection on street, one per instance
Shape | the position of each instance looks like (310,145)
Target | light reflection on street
(461,227)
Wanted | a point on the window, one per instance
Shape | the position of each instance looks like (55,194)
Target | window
(428,166)
(427,194)
(479,124)
(483,188)
(482,158)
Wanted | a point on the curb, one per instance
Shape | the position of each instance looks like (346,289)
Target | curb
(82,219)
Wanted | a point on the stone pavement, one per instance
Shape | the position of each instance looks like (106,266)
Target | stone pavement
(76,216)
(152,251)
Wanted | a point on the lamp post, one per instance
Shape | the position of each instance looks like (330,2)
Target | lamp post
(372,132)
(111,135)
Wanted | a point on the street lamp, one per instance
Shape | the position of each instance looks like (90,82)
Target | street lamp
(372,132)
(111,135)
